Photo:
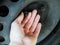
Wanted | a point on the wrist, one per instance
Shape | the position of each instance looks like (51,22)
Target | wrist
(28,41)
(15,43)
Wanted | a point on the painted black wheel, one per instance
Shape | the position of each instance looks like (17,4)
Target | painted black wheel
(48,9)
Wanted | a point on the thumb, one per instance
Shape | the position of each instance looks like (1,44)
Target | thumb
(20,18)
(16,33)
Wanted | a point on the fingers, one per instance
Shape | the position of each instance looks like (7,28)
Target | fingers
(26,19)
(20,18)
(37,31)
(29,23)
(35,23)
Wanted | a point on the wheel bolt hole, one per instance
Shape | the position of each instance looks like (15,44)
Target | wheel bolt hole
(2,39)
(1,26)
(4,11)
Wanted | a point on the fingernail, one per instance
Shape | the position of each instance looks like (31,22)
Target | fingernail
(22,13)
(35,11)
(38,16)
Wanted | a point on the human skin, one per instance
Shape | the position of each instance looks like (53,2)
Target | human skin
(25,31)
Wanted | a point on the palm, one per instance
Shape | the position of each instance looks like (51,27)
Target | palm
(28,30)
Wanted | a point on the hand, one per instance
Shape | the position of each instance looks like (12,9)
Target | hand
(26,31)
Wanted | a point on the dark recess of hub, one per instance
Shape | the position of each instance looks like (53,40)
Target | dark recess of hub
(14,0)
(42,8)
